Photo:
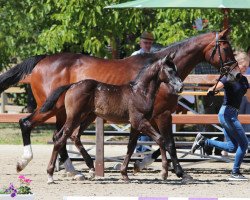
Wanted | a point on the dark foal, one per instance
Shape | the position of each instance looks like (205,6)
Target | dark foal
(132,103)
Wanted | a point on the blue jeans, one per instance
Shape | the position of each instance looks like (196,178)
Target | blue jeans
(142,148)
(236,139)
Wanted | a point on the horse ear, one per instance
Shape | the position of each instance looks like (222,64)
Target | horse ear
(170,56)
(225,33)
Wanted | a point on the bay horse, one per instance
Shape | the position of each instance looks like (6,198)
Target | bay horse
(130,103)
(48,72)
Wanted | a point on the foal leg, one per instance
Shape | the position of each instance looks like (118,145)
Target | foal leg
(133,137)
(64,157)
(65,132)
(164,122)
(76,138)
(149,159)
(145,127)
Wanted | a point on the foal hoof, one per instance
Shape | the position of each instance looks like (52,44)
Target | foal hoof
(137,167)
(187,179)
(164,176)
(125,179)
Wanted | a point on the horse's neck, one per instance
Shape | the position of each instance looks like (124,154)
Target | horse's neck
(188,53)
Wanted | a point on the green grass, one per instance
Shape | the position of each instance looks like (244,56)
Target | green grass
(10,133)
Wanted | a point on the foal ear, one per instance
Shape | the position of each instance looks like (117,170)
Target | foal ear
(171,55)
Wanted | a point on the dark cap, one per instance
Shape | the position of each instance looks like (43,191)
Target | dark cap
(147,35)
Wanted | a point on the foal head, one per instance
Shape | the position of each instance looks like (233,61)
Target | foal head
(168,73)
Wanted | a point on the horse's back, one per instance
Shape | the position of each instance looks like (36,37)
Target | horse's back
(66,68)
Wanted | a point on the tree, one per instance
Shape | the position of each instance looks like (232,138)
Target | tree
(31,27)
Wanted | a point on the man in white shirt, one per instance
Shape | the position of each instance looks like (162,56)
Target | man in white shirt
(146,42)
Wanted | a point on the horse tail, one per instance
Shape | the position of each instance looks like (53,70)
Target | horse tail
(53,98)
(17,73)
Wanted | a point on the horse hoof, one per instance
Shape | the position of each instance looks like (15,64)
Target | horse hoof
(136,167)
(92,173)
(187,179)
(18,167)
(50,180)
(79,177)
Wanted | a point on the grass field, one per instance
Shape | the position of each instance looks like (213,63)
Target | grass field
(10,133)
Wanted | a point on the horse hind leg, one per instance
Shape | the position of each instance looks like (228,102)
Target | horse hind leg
(26,125)
(27,152)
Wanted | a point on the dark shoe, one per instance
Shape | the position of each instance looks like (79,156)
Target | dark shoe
(237,177)
(208,150)
(198,142)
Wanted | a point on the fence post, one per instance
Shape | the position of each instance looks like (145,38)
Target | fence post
(4,102)
(99,158)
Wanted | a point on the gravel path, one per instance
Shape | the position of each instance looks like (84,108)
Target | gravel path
(210,179)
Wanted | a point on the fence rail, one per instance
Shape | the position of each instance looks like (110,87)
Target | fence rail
(177,118)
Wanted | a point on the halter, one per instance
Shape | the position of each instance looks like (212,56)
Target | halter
(223,69)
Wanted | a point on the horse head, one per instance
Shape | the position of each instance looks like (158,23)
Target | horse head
(168,73)
(219,53)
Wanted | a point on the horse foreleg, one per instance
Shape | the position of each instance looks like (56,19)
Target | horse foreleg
(164,122)
(133,137)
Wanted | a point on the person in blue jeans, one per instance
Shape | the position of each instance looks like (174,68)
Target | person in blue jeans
(236,139)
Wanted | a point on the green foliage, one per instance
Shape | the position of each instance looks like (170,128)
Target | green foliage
(24,190)
(31,27)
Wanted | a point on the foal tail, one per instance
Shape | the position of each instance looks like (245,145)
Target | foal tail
(17,73)
(53,98)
